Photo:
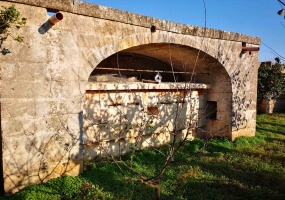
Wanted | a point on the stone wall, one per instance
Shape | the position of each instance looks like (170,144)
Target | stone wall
(120,116)
(44,80)
(273,106)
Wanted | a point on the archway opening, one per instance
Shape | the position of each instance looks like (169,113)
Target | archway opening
(126,105)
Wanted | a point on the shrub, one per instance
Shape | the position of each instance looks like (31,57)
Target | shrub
(271,81)
(10,18)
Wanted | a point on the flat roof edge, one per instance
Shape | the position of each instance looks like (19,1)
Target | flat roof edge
(102,12)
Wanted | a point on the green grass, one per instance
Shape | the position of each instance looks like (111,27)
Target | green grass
(248,168)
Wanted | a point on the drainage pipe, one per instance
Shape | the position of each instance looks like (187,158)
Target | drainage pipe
(250,48)
(56,18)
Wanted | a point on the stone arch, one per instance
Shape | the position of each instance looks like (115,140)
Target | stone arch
(215,48)
(224,53)
(179,58)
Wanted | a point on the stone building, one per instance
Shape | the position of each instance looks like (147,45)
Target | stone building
(91,85)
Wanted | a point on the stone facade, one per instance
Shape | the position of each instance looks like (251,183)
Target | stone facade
(44,80)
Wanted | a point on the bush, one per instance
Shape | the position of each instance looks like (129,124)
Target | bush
(271,81)
(10,19)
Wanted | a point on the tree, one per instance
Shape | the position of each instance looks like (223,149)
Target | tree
(271,80)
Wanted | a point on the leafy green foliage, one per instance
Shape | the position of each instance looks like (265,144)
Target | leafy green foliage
(10,18)
(248,168)
(271,80)
(63,188)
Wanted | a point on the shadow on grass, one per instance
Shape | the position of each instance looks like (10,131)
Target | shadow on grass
(108,177)
(216,190)
(281,132)
(271,124)
(221,171)
(237,173)
(221,178)
(272,139)
(245,175)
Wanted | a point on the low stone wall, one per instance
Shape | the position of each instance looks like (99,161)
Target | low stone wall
(118,117)
(273,106)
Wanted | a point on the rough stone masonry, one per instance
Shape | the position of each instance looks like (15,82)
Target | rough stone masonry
(46,92)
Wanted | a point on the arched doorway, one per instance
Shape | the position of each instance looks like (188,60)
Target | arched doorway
(128,106)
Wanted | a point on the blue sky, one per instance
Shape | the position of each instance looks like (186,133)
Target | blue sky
(250,17)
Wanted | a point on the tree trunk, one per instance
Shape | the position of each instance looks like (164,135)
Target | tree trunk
(157,189)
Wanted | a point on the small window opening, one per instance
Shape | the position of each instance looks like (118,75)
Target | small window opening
(211,110)
(152,111)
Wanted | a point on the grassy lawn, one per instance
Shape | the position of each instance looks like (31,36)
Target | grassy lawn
(249,168)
